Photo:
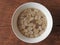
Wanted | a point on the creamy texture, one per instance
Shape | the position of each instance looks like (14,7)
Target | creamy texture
(31,22)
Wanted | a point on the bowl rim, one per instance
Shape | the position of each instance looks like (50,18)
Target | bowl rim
(21,6)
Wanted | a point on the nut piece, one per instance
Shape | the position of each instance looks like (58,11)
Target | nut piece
(35,31)
(41,32)
(40,28)
(26,34)
(30,32)
(29,28)
(31,36)
(25,30)
(36,35)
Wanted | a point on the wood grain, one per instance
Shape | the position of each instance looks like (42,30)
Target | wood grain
(7,7)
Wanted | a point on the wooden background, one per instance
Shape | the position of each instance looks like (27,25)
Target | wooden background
(7,7)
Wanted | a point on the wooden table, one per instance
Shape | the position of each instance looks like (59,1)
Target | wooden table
(7,7)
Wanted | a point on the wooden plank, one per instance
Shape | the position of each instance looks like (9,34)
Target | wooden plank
(7,7)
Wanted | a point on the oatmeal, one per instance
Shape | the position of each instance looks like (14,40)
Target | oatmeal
(31,22)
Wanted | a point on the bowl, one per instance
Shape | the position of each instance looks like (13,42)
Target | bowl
(41,8)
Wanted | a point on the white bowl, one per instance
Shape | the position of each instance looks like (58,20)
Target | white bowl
(41,8)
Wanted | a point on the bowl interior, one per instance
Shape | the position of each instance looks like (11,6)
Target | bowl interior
(41,8)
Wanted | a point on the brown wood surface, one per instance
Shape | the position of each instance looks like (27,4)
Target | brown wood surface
(7,7)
